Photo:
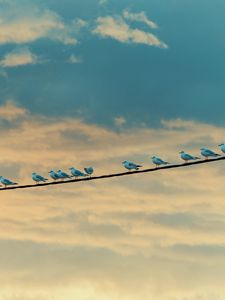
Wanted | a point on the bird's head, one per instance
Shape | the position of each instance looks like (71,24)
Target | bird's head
(221,144)
(202,149)
(71,168)
(153,156)
(33,173)
(124,162)
(181,152)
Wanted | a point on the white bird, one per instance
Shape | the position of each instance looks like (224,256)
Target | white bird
(63,175)
(186,156)
(208,153)
(89,170)
(38,178)
(53,175)
(76,173)
(222,147)
(6,181)
(130,165)
(158,161)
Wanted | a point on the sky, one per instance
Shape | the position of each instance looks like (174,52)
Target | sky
(94,83)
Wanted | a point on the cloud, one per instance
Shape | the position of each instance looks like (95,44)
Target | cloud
(116,28)
(22,26)
(76,234)
(119,121)
(139,17)
(102,2)
(73,59)
(19,57)
(9,111)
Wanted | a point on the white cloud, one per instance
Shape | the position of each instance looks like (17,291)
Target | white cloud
(19,57)
(119,121)
(102,2)
(139,17)
(30,24)
(9,111)
(118,29)
(73,59)
(79,23)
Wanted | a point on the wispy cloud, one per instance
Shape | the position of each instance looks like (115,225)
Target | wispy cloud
(139,17)
(119,121)
(115,27)
(19,57)
(9,111)
(73,59)
(102,2)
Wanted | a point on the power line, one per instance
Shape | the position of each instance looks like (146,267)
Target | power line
(172,166)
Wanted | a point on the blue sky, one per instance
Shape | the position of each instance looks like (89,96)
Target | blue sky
(141,83)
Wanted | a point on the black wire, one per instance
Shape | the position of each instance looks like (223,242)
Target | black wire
(172,166)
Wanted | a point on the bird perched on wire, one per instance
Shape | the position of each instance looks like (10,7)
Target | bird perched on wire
(76,173)
(63,175)
(6,182)
(38,178)
(222,147)
(186,156)
(54,175)
(208,153)
(158,161)
(130,165)
(89,171)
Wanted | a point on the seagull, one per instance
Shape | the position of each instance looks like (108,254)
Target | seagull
(186,157)
(208,153)
(89,170)
(63,175)
(76,173)
(130,165)
(54,175)
(158,161)
(38,178)
(6,181)
(222,147)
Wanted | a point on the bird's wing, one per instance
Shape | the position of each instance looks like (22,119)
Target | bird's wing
(7,181)
(160,161)
(209,152)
